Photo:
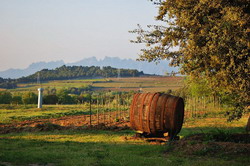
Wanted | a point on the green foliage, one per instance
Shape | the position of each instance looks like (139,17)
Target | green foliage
(50,91)
(17,100)
(8,83)
(198,87)
(30,98)
(70,72)
(5,97)
(183,92)
(235,110)
(50,99)
(212,39)
(82,89)
(195,87)
(65,98)
(74,72)
(84,97)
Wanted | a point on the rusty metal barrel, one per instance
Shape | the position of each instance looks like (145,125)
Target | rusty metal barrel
(156,113)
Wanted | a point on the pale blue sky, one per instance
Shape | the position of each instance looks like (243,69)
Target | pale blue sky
(69,30)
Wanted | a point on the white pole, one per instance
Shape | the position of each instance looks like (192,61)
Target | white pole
(40,98)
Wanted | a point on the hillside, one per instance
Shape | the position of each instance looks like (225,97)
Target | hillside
(115,62)
(76,72)
(70,72)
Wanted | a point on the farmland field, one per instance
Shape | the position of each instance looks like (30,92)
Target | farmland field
(100,134)
(52,144)
(149,84)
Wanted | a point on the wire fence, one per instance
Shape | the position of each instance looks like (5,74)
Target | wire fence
(205,106)
(110,109)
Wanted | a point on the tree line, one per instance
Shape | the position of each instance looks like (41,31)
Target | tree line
(70,72)
(71,95)
(8,83)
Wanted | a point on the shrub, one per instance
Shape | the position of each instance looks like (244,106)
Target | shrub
(30,98)
(5,97)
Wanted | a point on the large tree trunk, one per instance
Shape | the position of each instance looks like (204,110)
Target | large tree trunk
(248,125)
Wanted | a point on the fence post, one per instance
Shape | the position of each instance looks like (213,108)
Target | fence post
(109,107)
(123,107)
(97,102)
(127,107)
(116,107)
(119,106)
(103,106)
(90,111)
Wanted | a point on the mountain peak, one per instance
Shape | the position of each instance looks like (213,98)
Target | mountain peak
(116,62)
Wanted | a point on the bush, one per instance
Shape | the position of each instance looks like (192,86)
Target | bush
(30,98)
(17,100)
(65,98)
(50,99)
(5,97)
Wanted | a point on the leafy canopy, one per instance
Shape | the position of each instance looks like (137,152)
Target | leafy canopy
(208,39)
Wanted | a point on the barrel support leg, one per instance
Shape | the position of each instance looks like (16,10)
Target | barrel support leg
(173,136)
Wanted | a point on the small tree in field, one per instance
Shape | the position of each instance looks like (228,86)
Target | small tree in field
(65,98)
(50,99)
(208,40)
(30,98)
(5,97)
(17,100)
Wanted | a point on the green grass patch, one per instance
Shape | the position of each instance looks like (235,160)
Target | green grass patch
(78,148)
(10,113)
(97,147)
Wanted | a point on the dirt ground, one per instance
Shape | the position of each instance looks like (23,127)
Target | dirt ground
(110,120)
(237,144)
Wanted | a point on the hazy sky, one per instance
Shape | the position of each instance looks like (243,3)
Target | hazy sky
(69,30)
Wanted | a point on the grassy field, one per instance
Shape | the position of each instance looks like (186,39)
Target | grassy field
(148,84)
(61,135)
(10,114)
(59,84)
(102,147)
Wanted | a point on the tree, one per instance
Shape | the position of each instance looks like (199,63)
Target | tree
(198,87)
(5,97)
(17,100)
(50,99)
(208,40)
(73,72)
(7,83)
(30,98)
(84,97)
(65,98)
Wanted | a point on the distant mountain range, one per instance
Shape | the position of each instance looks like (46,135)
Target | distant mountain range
(34,67)
(146,67)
